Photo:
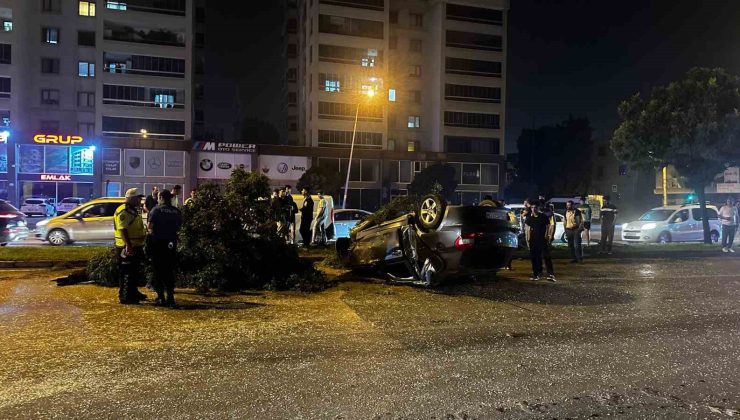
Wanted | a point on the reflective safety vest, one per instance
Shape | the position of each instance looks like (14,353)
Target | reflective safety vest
(131,220)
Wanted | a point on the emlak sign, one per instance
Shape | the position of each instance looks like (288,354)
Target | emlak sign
(53,177)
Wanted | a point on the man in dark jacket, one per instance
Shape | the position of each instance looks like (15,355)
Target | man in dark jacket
(151,200)
(608,218)
(292,208)
(306,217)
(539,224)
(164,222)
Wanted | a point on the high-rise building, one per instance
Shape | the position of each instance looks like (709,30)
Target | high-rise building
(97,95)
(437,70)
(289,129)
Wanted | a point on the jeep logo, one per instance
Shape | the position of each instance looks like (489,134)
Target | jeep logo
(56,139)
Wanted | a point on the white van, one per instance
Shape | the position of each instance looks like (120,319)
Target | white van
(672,224)
(328,216)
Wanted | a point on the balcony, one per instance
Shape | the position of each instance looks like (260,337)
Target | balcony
(114,32)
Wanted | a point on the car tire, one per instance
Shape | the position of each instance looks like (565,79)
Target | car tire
(664,238)
(431,211)
(714,236)
(563,238)
(58,237)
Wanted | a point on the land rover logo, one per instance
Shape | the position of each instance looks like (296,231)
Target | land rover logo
(282,167)
(206,165)
(224,165)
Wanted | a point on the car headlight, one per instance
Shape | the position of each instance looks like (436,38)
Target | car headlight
(648,226)
(42,223)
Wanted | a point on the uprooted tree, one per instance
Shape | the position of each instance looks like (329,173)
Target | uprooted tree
(692,124)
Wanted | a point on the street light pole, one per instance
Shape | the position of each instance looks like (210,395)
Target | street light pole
(351,152)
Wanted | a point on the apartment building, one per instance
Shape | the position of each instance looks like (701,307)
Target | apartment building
(97,95)
(438,72)
(289,128)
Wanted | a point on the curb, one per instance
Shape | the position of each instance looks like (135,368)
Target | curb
(43,264)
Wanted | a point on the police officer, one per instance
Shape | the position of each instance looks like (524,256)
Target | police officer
(129,240)
(164,222)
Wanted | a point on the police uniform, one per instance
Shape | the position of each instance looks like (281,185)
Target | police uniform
(129,218)
(165,221)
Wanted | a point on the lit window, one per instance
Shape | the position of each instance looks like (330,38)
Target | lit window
(368,62)
(331,85)
(411,147)
(392,95)
(414,121)
(116,5)
(7,26)
(164,101)
(50,35)
(86,69)
(87,8)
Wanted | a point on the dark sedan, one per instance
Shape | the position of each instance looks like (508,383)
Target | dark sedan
(13,225)
(436,242)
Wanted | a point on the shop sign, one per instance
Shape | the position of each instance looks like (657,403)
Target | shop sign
(728,188)
(221,165)
(214,146)
(283,167)
(732,175)
(56,139)
(52,177)
(112,161)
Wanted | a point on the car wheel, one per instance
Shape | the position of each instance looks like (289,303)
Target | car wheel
(431,211)
(563,238)
(714,236)
(664,238)
(57,237)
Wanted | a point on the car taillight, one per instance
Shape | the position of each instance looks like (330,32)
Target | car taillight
(7,216)
(465,241)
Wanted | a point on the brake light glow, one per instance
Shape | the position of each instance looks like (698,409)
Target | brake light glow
(465,242)
(7,216)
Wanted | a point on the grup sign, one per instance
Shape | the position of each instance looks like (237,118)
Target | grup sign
(56,139)
(289,168)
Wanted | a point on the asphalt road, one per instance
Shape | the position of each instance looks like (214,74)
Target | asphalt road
(636,339)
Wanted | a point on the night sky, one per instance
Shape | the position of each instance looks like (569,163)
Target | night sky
(565,57)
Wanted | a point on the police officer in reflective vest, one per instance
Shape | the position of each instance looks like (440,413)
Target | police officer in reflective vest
(130,235)
(164,221)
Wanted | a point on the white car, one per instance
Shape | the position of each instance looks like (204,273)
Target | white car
(38,206)
(672,224)
(68,204)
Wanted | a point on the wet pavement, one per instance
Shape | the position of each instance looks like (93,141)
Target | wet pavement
(638,338)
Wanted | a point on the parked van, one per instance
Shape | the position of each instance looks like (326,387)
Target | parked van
(672,224)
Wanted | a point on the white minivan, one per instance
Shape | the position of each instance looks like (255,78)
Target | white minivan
(672,224)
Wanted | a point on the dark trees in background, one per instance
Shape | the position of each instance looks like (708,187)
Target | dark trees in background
(321,178)
(435,179)
(556,159)
(692,124)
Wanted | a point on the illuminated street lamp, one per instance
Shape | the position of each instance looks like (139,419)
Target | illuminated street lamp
(368,93)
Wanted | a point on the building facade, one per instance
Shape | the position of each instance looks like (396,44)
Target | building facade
(97,96)
(436,71)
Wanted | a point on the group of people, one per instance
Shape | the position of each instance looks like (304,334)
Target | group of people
(539,225)
(160,237)
(313,216)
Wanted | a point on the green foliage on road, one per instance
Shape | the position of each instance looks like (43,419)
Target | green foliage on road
(692,124)
(48,253)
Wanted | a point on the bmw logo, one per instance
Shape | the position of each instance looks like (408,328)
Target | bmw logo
(206,164)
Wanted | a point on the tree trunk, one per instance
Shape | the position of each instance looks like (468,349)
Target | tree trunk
(704,218)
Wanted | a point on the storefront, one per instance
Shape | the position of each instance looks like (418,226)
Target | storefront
(283,169)
(216,160)
(143,169)
(54,167)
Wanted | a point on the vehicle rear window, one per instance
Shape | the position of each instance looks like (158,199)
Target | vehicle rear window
(656,215)
(697,214)
(34,201)
(71,200)
(7,207)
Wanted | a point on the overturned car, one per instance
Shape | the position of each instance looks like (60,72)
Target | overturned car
(435,242)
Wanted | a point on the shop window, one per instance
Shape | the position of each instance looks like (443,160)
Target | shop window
(471,174)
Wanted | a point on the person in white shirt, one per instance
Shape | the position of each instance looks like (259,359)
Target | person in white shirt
(728,218)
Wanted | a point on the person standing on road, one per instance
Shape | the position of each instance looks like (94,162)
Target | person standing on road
(526,212)
(728,218)
(539,223)
(290,204)
(151,200)
(164,223)
(319,228)
(586,213)
(277,210)
(547,212)
(573,228)
(190,200)
(129,240)
(608,217)
(306,218)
